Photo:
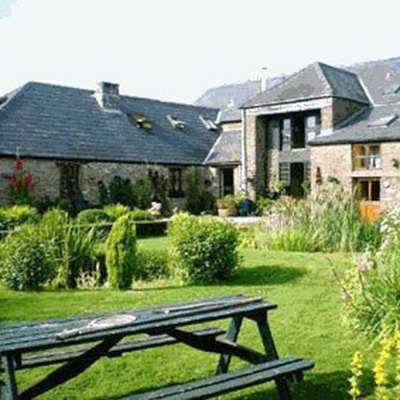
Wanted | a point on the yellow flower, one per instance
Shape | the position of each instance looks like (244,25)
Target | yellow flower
(356,370)
(381,378)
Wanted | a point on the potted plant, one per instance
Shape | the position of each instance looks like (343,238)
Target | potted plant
(227,207)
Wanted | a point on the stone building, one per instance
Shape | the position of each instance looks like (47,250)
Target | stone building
(321,123)
(72,139)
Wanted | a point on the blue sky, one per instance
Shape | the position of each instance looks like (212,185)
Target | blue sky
(176,49)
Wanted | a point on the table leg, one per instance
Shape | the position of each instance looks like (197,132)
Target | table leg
(271,351)
(232,336)
(10,390)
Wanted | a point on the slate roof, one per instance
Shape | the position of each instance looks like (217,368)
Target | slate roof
(318,80)
(358,128)
(229,97)
(49,121)
(227,149)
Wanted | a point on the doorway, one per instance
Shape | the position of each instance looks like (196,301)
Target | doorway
(297,174)
(226,179)
(368,193)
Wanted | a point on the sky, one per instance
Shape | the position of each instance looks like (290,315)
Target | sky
(176,49)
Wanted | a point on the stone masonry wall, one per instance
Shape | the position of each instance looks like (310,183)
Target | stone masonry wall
(336,160)
(45,174)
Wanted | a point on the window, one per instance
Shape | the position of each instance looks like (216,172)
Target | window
(366,157)
(69,179)
(175,179)
(392,89)
(383,122)
(369,190)
(141,121)
(312,121)
(175,122)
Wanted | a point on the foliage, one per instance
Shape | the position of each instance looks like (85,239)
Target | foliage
(141,215)
(70,247)
(198,199)
(121,253)
(46,203)
(152,264)
(17,215)
(114,211)
(371,287)
(250,238)
(23,259)
(263,205)
(388,357)
(328,221)
(93,216)
(119,191)
(203,249)
(143,192)
(20,184)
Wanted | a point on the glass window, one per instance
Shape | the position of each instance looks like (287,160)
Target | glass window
(366,157)
(311,121)
(375,194)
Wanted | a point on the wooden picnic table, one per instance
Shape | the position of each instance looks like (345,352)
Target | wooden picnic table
(114,334)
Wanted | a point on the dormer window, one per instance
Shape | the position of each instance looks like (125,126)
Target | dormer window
(383,122)
(208,123)
(141,121)
(175,122)
(392,89)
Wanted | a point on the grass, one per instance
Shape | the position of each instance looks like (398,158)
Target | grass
(307,323)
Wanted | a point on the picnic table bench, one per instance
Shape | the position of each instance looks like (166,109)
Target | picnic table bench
(84,340)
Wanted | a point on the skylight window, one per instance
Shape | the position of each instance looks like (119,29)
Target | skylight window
(383,122)
(208,123)
(392,89)
(3,100)
(141,121)
(175,122)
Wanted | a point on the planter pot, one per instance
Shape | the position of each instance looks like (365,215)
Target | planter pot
(226,212)
(223,212)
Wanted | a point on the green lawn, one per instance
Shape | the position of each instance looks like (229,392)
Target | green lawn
(307,323)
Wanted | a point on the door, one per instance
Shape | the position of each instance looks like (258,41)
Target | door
(297,173)
(226,182)
(369,196)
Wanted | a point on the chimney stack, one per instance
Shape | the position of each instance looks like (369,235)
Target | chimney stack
(263,77)
(107,95)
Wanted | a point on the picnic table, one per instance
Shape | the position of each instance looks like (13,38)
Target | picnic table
(33,345)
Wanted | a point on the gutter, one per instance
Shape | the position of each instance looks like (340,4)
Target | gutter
(244,153)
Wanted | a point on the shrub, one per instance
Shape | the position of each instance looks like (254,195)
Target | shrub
(18,215)
(70,247)
(114,211)
(203,249)
(143,192)
(371,287)
(121,253)
(152,265)
(93,216)
(120,191)
(198,199)
(141,215)
(23,259)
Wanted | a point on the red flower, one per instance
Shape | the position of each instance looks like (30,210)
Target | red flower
(19,165)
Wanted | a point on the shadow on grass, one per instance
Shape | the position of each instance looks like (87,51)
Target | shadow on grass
(266,275)
(316,386)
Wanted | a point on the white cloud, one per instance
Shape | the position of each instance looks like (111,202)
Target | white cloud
(176,49)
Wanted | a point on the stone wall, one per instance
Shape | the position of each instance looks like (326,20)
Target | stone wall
(336,161)
(45,174)
(333,161)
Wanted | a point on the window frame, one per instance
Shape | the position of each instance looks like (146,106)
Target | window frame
(176,182)
(365,159)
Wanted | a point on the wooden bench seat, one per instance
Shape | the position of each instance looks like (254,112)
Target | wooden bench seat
(116,351)
(229,382)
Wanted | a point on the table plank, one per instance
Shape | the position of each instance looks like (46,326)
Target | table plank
(46,337)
